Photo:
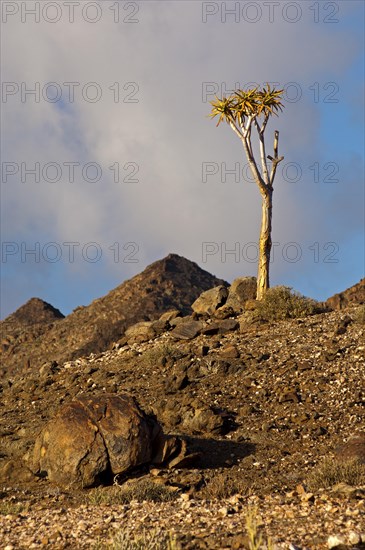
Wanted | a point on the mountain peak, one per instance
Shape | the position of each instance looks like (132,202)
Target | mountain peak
(35,311)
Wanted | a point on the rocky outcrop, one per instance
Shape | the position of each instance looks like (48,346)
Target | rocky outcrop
(353,295)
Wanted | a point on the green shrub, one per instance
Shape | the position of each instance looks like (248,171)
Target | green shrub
(281,302)
(331,472)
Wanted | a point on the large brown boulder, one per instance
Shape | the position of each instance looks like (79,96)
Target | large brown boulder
(140,332)
(94,438)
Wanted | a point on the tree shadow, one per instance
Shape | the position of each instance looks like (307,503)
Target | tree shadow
(218,453)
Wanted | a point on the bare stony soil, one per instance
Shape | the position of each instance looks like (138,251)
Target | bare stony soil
(266,407)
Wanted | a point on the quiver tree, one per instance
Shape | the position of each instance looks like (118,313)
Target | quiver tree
(244,111)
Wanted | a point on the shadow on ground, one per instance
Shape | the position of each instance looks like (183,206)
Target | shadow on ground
(217,453)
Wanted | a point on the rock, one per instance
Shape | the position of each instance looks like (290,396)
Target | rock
(230,352)
(354,538)
(248,319)
(334,541)
(176,382)
(354,449)
(183,458)
(241,290)
(94,438)
(349,491)
(210,300)
(15,471)
(221,327)
(224,312)
(140,332)
(203,421)
(160,326)
(170,315)
(170,446)
(353,295)
(187,330)
(202,350)
(288,394)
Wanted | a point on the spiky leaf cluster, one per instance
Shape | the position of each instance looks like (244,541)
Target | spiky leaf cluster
(242,104)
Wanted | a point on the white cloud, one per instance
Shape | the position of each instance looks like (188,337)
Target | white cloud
(169,54)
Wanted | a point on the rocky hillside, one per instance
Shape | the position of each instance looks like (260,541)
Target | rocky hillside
(36,332)
(270,401)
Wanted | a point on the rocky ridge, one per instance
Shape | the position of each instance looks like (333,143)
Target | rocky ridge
(353,295)
(37,332)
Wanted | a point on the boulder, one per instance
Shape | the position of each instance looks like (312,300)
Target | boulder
(204,420)
(210,300)
(94,438)
(241,290)
(170,315)
(15,471)
(221,327)
(140,332)
(187,329)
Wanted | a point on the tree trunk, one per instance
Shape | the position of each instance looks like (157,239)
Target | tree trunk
(265,245)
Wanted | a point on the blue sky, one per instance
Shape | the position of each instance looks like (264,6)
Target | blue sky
(121,158)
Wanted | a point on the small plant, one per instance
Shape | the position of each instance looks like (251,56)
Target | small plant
(147,540)
(158,354)
(136,490)
(222,486)
(256,538)
(10,508)
(331,472)
(281,302)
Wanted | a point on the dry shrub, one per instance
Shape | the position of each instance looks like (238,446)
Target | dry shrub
(223,486)
(256,538)
(128,539)
(159,354)
(331,472)
(140,491)
(282,302)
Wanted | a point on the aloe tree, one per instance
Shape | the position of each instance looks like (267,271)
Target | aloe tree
(244,110)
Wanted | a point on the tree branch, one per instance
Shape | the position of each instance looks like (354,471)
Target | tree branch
(276,159)
(265,173)
(236,130)
(255,171)
(264,123)
(247,133)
